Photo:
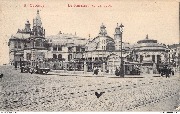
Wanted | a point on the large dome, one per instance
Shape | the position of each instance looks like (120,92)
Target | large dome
(149,44)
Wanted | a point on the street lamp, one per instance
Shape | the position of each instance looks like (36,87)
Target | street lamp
(122,65)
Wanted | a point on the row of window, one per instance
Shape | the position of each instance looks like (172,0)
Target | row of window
(103,41)
(153,58)
(57,48)
(17,44)
(70,49)
(103,47)
(59,56)
(37,43)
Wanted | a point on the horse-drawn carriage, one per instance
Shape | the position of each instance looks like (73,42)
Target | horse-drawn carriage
(38,68)
(27,69)
(165,70)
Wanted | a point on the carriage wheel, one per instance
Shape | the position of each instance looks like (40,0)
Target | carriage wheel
(45,72)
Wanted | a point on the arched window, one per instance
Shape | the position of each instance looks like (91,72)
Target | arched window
(59,48)
(55,48)
(69,57)
(28,56)
(54,56)
(19,44)
(158,59)
(59,56)
(15,44)
(153,58)
(141,58)
(38,42)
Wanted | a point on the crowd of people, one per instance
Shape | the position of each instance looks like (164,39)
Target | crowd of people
(166,70)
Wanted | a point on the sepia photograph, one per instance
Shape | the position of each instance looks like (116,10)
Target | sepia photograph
(90,56)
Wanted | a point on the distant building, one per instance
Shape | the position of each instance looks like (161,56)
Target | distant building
(70,52)
(28,45)
(104,51)
(65,50)
(150,54)
(174,55)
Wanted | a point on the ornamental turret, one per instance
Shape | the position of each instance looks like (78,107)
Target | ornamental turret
(102,31)
(37,26)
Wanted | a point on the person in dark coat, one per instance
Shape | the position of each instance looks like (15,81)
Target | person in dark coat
(166,70)
(117,72)
(22,69)
(15,64)
(172,71)
(96,70)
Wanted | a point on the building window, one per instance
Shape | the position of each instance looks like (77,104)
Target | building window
(69,57)
(141,58)
(54,56)
(147,55)
(19,44)
(136,57)
(77,48)
(59,48)
(83,49)
(15,44)
(70,49)
(158,59)
(153,58)
(38,42)
(59,56)
(28,56)
(55,48)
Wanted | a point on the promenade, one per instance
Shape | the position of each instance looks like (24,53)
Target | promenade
(76,92)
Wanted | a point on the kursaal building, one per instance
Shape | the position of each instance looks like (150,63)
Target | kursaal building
(30,46)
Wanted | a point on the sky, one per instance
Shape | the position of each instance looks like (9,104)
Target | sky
(157,18)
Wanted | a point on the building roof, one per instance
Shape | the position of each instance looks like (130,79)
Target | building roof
(147,40)
(20,36)
(174,45)
(93,44)
(64,39)
(149,44)
(37,20)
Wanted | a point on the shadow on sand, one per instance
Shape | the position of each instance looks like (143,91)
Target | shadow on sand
(93,76)
(126,77)
(156,76)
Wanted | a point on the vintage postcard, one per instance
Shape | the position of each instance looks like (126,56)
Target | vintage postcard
(89,56)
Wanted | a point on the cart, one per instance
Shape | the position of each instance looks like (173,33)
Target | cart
(42,70)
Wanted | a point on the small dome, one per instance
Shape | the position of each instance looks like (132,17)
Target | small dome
(147,40)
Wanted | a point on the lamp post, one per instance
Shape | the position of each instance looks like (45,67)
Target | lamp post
(122,63)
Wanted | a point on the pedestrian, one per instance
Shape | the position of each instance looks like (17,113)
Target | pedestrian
(15,65)
(169,72)
(117,72)
(22,69)
(166,70)
(96,71)
(172,72)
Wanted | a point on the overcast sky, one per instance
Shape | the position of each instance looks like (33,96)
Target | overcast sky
(157,18)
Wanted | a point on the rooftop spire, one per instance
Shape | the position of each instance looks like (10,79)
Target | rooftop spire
(102,31)
(37,20)
(147,36)
(37,11)
(117,30)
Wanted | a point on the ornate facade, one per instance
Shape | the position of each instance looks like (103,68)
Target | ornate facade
(150,53)
(28,45)
(70,52)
